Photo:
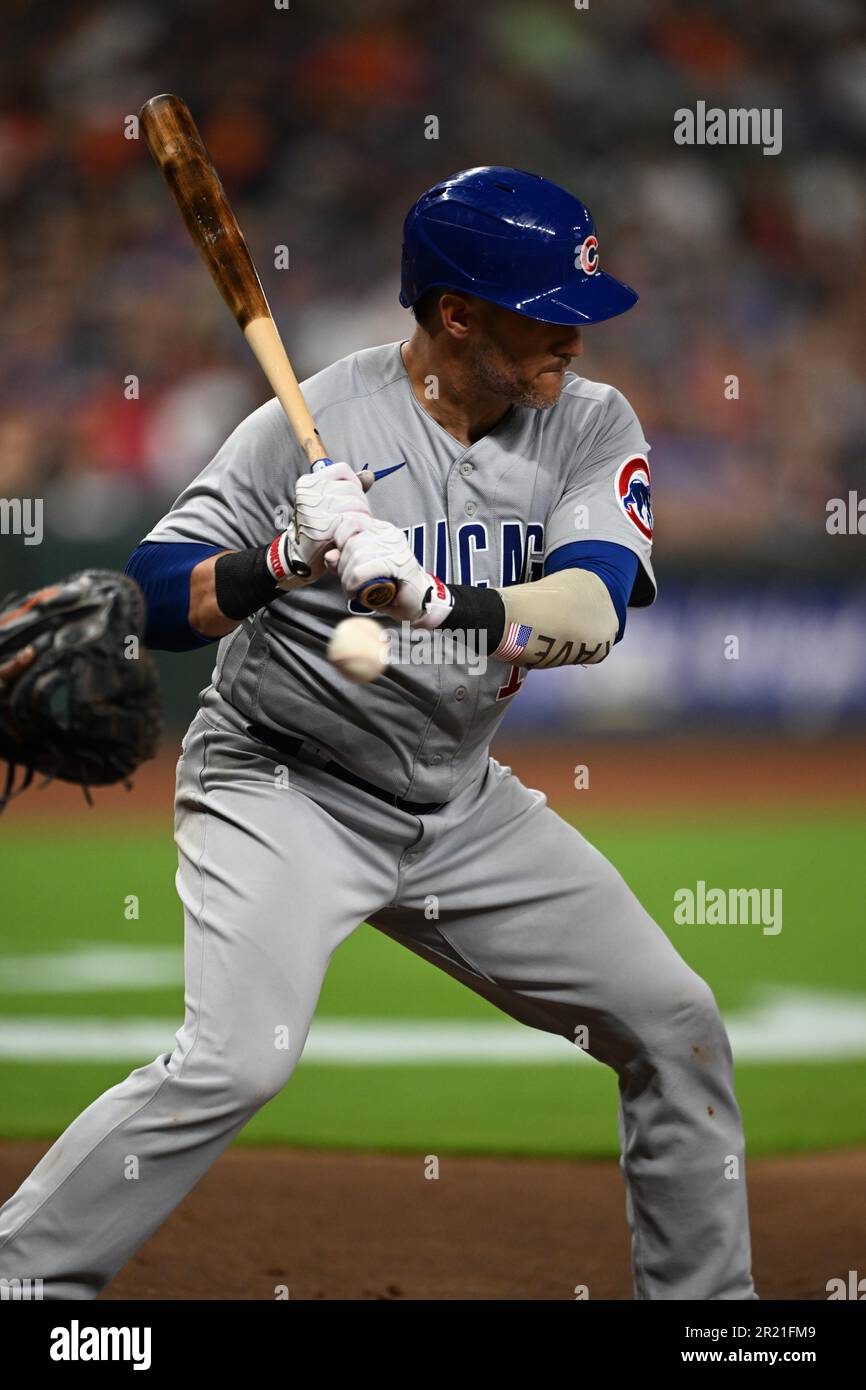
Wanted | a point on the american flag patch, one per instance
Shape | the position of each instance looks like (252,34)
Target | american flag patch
(514,641)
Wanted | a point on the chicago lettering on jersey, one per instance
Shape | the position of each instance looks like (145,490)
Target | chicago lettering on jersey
(521,553)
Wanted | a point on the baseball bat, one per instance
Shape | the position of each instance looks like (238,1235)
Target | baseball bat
(175,143)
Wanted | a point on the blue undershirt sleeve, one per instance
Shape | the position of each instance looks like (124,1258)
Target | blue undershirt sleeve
(615,565)
(162,570)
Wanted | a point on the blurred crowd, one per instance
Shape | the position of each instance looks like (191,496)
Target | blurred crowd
(121,371)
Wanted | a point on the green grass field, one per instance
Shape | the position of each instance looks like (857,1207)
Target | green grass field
(65,890)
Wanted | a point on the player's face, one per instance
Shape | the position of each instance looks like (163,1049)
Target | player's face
(521,359)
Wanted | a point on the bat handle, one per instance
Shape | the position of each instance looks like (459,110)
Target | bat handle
(376,593)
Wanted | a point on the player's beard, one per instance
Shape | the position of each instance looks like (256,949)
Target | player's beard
(493,370)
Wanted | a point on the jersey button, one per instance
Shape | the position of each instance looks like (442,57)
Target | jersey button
(467,468)
(460,692)
(471,508)
(434,760)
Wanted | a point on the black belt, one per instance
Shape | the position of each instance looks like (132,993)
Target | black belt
(297,747)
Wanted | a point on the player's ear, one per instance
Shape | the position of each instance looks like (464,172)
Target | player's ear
(456,312)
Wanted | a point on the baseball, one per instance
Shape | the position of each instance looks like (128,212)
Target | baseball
(359,649)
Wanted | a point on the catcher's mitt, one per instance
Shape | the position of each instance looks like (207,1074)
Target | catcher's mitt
(85,706)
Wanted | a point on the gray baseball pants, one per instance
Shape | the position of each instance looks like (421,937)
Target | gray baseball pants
(273,874)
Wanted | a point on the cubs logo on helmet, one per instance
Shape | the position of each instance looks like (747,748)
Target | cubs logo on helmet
(633,489)
(587,257)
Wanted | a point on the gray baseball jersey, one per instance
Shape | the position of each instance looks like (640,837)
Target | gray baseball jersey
(489,514)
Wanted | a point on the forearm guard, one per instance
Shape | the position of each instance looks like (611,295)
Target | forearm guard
(566,619)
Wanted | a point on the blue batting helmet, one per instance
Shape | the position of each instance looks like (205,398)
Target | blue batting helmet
(513,238)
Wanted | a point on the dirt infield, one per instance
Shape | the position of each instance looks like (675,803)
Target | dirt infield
(666,774)
(359,1226)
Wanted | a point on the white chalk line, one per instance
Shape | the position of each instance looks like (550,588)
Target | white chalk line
(780,1023)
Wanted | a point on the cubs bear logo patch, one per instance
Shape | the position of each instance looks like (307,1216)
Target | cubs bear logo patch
(633,490)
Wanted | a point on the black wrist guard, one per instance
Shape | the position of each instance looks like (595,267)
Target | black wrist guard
(243,583)
(477,611)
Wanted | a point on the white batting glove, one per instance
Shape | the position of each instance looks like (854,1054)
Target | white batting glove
(366,548)
(322,500)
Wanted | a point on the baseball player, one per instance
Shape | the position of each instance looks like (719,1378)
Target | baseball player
(510,500)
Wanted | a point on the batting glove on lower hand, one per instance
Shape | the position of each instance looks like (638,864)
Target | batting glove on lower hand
(366,548)
(322,501)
